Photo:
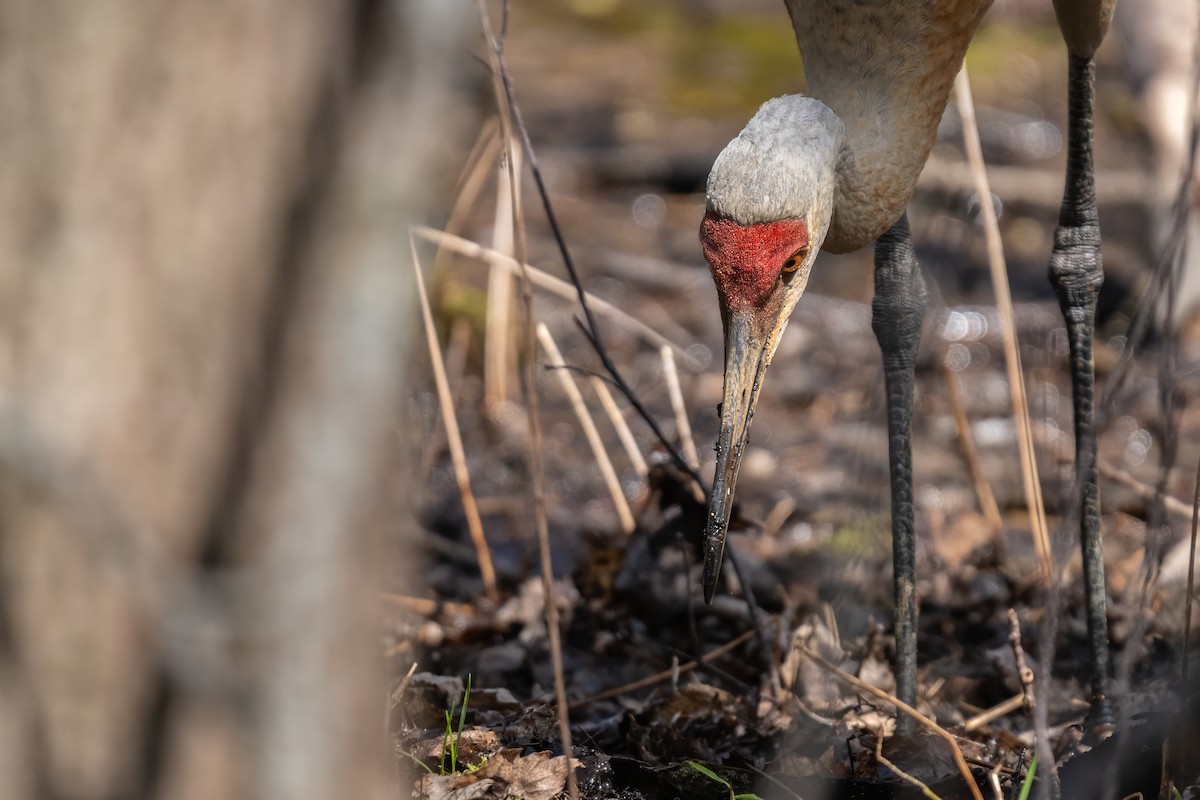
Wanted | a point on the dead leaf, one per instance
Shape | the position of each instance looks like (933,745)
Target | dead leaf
(537,776)
(507,774)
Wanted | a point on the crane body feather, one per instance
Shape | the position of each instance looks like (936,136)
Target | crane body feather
(885,68)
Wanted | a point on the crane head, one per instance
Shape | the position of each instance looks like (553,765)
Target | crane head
(770,198)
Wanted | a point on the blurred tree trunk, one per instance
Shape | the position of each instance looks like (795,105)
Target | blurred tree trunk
(203,321)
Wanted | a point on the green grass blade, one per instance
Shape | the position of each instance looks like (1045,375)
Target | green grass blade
(1027,786)
(447,745)
(708,773)
(462,717)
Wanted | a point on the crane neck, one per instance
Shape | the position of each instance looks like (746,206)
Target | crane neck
(886,70)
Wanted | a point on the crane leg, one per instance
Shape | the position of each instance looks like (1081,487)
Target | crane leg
(1076,272)
(897,313)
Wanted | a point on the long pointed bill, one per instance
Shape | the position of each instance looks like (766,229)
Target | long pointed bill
(748,351)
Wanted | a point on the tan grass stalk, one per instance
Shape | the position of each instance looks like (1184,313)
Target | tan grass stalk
(900,705)
(994,713)
(778,515)
(686,440)
(478,167)
(403,687)
(454,438)
(555,286)
(529,385)
(966,442)
(1012,355)
(621,426)
(416,605)
(456,366)
(589,428)
(496,350)
(925,790)
(1172,504)
(994,782)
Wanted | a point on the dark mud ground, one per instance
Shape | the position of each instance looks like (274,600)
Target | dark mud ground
(627,108)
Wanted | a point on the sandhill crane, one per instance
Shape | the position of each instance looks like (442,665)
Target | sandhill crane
(835,170)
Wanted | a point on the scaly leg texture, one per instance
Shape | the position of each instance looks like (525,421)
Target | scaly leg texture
(1076,271)
(897,313)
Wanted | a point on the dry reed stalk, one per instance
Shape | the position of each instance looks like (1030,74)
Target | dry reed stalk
(456,367)
(589,428)
(554,285)
(1012,355)
(995,712)
(456,351)
(454,438)
(621,426)
(686,439)
(966,442)
(476,170)
(470,184)
(880,694)
(506,104)
(403,687)
(496,350)
(994,782)
(417,605)
(925,790)
(778,515)
(478,167)
(1144,490)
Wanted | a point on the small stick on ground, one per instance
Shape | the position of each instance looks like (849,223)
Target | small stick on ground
(454,438)
(403,687)
(966,443)
(900,705)
(1012,355)
(666,674)
(589,428)
(994,782)
(925,790)
(686,439)
(621,426)
(1024,673)
(995,712)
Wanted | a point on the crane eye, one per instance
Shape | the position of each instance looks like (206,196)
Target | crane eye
(793,263)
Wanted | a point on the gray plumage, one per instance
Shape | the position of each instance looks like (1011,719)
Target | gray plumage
(781,166)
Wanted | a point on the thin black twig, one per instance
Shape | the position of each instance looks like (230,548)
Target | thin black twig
(529,390)
(591,329)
